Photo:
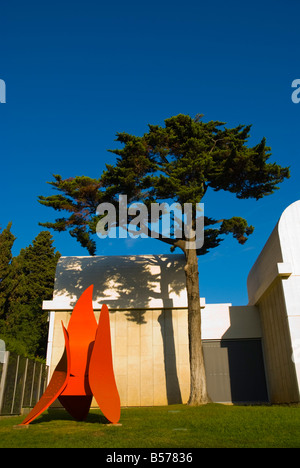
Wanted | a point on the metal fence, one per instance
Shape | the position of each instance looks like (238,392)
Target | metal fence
(22,383)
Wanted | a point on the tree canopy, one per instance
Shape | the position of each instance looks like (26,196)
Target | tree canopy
(30,280)
(178,162)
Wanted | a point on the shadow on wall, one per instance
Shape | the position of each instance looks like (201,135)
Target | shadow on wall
(246,368)
(130,284)
(234,364)
(121,282)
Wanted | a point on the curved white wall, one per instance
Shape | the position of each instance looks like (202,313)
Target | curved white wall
(274,285)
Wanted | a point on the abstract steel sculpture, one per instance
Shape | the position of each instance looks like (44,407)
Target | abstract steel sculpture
(86,367)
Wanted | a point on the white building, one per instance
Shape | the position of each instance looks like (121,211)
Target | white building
(274,288)
(248,350)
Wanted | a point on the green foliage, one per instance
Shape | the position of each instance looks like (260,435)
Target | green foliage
(6,242)
(81,198)
(23,324)
(238,227)
(177,162)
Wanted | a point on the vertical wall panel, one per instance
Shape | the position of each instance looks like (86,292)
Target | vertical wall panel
(281,375)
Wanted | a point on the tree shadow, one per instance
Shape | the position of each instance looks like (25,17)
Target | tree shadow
(132,285)
(61,415)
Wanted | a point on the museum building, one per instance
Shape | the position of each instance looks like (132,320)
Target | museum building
(251,352)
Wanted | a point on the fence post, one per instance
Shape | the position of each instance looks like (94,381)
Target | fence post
(15,386)
(32,383)
(40,382)
(3,378)
(24,383)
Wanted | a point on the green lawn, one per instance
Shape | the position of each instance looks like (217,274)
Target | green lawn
(177,426)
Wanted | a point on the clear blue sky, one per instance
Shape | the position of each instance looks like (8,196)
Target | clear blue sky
(77,72)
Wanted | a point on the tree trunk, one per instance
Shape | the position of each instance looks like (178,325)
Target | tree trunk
(198,392)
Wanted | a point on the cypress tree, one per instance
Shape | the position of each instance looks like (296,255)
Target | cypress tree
(32,282)
(7,240)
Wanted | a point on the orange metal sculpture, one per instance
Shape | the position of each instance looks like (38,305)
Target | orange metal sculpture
(85,369)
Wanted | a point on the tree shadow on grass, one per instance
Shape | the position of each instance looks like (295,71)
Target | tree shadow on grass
(61,415)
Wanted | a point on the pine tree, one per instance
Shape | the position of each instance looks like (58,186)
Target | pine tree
(33,281)
(177,162)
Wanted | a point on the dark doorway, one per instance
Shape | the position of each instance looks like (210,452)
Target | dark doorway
(235,370)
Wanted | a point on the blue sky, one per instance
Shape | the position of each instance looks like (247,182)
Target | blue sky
(78,72)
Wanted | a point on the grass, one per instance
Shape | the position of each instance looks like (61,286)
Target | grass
(176,426)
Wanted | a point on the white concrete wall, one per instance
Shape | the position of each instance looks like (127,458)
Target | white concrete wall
(150,347)
(150,354)
(274,286)
(121,282)
(147,300)
(224,321)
